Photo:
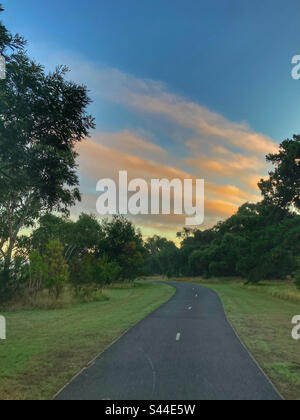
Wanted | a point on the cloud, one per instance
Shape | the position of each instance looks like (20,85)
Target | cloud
(149,96)
(153,97)
(131,143)
(97,161)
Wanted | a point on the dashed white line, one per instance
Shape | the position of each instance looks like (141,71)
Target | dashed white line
(178,336)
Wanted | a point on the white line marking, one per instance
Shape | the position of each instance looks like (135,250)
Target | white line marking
(178,336)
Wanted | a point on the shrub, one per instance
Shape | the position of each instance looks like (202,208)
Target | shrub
(199,263)
(57,270)
(218,269)
(90,274)
(13,280)
(38,272)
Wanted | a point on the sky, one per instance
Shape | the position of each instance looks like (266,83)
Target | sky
(180,89)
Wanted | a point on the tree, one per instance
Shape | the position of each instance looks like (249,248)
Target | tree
(197,240)
(8,41)
(38,272)
(282,189)
(57,270)
(122,243)
(87,233)
(199,261)
(89,273)
(51,227)
(42,118)
(162,257)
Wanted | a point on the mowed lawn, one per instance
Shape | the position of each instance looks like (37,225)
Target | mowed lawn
(45,349)
(261,316)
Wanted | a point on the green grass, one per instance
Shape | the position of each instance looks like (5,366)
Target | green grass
(45,349)
(261,316)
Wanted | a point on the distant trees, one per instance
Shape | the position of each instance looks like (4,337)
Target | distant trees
(162,257)
(282,189)
(37,272)
(56,269)
(86,255)
(260,242)
(122,243)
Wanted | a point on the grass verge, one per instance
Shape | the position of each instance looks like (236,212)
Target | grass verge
(45,349)
(261,316)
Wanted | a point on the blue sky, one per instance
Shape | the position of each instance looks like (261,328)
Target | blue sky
(232,56)
(228,57)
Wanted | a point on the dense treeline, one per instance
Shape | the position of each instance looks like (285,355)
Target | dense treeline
(257,243)
(85,255)
(260,242)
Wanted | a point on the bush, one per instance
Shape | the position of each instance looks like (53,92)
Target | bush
(199,263)
(57,270)
(89,274)
(218,269)
(13,280)
(38,272)
(89,293)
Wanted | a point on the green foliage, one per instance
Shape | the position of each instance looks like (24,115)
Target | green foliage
(297,272)
(42,118)
(8,41)
(38,272)
(162,257)
(297,278)
(259,242)
(122,243)
(92,271)
(57,270)
(194,240)
(282,189)
(199,262)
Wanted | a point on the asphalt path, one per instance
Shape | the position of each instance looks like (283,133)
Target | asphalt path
(185,350)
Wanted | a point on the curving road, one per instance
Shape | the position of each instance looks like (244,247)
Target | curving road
(185,350)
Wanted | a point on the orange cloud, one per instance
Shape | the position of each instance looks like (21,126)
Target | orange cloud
(97,161)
